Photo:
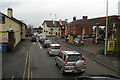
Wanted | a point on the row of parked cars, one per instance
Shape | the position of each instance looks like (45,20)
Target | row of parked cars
(68,61)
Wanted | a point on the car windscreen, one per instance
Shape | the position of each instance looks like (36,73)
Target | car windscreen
(55,47)
(73,58)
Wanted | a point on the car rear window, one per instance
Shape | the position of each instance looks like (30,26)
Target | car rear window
(48,42)
(55,47)
(73,58)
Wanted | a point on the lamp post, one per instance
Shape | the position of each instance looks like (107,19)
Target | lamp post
(54,15)
(106,29)
(55,19)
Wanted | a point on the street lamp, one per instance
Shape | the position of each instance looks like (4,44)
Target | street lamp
(54,15)
(106,30)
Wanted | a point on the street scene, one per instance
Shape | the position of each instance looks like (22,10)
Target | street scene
(84,48)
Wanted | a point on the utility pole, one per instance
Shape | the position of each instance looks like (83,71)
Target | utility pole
(106,30)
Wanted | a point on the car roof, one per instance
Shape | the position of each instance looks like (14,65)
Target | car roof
(47,40)
(70,52)
(54,44)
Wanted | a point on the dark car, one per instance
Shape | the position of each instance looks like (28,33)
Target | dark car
(47,43)
(97,77)
(33,39)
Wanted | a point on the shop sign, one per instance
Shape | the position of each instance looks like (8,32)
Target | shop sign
(3,37)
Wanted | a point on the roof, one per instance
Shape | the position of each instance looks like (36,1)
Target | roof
(14,19)
(99,20)
(55,44)
(71,52)
(50,23)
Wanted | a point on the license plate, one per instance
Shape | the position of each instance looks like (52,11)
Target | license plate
(55,53)
(76,71)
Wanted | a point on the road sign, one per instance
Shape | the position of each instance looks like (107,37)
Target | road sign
(71,39)
(111,46)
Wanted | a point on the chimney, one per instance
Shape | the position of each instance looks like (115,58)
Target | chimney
(10,12)
(74,18)
(66,20)
(85,17)
(60,22)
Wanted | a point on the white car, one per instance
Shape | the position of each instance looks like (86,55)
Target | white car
(54,49)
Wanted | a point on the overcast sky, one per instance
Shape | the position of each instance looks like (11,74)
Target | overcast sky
(34,12)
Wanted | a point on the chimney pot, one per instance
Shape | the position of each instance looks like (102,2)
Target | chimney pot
(85,17)
(10,12)
(74,18)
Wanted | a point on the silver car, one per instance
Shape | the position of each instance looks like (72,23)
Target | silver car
(71,61)
(54,49)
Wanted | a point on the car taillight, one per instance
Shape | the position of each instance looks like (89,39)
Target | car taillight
(50,49)
(66,61)
(84,59)
(60,49)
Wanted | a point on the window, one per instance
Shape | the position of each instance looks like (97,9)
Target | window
(60,55)
(64,57)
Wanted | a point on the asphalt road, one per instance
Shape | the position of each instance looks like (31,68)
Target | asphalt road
(32,61)
(43,66)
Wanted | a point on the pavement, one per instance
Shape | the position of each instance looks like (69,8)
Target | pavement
(105,60)
(13,63)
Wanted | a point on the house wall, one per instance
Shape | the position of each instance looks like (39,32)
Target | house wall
(49,31)
(15,26)
(77,30)
(23,31)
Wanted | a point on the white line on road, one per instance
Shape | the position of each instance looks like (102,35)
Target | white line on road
(34,43)
(40,46)
(12,77)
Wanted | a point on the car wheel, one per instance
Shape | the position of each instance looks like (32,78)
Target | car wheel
(61,71)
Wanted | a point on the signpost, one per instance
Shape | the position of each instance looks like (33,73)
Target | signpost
(111,46)
(71,39)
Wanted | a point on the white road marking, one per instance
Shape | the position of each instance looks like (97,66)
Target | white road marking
(34,43)
(40,46)
(12,77)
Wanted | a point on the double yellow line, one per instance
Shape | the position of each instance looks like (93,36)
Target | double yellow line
(27,67)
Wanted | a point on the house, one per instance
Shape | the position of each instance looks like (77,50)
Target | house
(54,28)
(12,30)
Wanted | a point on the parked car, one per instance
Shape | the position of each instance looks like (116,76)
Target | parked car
(54,49)
(71,61)
(33,39)
(47,43)
(76,40)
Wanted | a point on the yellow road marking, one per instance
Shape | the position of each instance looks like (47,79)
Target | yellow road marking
(25,66)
